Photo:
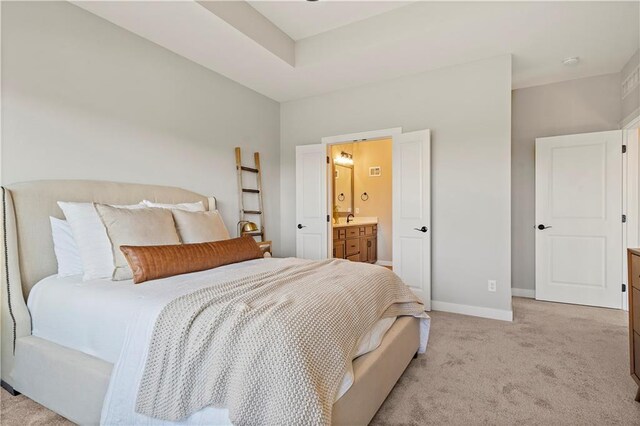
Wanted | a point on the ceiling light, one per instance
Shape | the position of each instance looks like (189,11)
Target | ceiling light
(572,61)
(345,159)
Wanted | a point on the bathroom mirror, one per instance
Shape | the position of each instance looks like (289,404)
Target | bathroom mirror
(343,189)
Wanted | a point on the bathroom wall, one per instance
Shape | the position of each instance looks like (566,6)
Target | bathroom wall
(379,189)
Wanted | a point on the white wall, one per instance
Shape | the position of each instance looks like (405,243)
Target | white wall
(631,100)
(84,99)
(575,106)
(468,109)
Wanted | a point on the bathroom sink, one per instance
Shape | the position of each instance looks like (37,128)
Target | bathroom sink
(342,221)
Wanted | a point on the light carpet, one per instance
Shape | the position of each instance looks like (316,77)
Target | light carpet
(555,364)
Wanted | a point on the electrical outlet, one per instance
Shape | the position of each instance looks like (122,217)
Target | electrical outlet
(357,210)
(491,285)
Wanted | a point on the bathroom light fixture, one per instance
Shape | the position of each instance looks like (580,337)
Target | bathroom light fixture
(572,61)
(344,159)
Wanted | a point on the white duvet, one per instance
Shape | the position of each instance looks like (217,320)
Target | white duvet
(113,321)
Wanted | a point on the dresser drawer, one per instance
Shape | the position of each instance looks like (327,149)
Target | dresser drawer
(369,230)
(353,232)
(353,247)
(635,271)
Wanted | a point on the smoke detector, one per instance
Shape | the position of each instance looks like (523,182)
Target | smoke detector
(571,62)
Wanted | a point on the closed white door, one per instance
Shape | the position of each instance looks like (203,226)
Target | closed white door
(579,219)
(311,202)
(412,211)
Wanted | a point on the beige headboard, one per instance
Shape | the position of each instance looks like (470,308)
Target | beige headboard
(26,232)
(35,201)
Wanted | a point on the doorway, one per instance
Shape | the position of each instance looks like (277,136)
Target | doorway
(411,203)
(361,201)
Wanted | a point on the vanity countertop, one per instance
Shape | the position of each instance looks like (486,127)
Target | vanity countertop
(358,221)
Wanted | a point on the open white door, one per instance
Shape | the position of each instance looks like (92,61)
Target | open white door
(311,202)
(579,219)
(412,211)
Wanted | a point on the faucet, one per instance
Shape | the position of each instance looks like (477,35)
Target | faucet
(350,217)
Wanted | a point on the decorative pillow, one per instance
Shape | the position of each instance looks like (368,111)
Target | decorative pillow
(91,237)
(65,248)
(150,263)
(189,207)
(141,227)
(200,227)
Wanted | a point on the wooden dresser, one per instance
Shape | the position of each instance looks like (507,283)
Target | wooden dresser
(357,243)
(634,315)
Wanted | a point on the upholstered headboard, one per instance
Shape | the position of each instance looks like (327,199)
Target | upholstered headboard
(27,246)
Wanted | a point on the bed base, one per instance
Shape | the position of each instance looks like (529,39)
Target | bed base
(74,384)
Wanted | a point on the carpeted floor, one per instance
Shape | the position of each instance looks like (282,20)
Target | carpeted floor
(555,365)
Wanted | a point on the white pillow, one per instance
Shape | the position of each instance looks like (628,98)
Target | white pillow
(65,248)
(199,227)
(189,207)
(91,237)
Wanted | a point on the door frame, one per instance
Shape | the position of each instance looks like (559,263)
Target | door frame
(630,198)
(372,135)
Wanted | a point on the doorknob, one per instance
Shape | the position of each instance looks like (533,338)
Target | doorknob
(423,229)
(542,227)
(300,226)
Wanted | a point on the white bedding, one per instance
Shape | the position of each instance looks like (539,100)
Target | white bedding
(100,317)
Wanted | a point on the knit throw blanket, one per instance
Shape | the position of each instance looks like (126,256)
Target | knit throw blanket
(272,347)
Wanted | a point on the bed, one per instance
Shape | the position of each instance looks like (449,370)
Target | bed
(72,377)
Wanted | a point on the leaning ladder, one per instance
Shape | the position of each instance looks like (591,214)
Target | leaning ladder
(240,169)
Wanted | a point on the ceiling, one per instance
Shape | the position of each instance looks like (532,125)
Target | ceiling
(302,19)
(334,45)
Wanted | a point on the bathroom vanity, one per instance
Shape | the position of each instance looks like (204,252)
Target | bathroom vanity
(356,241)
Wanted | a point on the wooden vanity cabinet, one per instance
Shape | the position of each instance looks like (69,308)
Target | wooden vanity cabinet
(358,243)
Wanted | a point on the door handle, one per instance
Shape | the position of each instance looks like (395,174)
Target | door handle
(423,229)
(542,227)
(300,226)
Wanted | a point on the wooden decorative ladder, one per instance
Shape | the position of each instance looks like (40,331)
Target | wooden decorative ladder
(240,169)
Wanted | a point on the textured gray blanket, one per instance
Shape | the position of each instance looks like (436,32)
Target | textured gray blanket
(272,347)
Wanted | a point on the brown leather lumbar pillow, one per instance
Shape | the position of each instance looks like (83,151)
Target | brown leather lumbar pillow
(152,262)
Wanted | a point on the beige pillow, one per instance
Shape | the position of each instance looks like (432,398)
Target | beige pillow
(140,227)
(200,227)
(198,206)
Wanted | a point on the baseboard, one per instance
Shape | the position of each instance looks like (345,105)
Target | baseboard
(475,311)
(6,386)
(384,263)
(523,292)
